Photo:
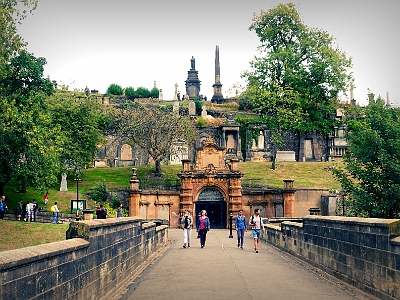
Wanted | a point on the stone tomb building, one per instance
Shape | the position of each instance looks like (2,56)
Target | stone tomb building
(214,184)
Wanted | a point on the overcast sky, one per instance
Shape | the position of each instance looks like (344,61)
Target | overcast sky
(133,43)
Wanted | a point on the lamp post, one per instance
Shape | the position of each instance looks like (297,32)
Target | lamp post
(77,182)
(230,226)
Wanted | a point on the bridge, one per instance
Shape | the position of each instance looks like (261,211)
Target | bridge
(221,270)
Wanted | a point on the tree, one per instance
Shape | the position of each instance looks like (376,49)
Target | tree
(130,93)
(302,59)
(371,176)
(154,93)
(80,121)
(28,143)
(115,90)
(153,129)
(142,92)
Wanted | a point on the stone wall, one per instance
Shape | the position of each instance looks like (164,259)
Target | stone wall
(97,255)
(362,252)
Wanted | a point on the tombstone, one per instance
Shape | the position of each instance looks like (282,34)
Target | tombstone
(204,112)
(261,140)
(176,92)
(160,95)
(192,108)
(175,108)
(63,186)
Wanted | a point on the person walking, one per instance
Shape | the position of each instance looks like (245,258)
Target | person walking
(241,227)
(202,227)
(256,227)
(55,211)
(119,211)
(187,224)
(19,210)
(34,210)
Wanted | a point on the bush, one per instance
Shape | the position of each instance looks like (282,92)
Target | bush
(100,194)
(154,93)
(142,92)
(115,89)
(130,93)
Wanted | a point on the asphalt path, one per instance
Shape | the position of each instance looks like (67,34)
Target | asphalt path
(221,270)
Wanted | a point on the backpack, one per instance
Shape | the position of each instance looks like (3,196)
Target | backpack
(53,209)
(252,221)
(186,225)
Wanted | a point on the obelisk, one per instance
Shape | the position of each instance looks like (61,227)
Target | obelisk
(217,97)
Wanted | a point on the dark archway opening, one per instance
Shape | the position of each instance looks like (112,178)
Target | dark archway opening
(213,201)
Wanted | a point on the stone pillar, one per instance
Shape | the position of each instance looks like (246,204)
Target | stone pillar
(288,198)
(134,195)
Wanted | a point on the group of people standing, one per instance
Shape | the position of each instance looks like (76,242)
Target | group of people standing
(203,226)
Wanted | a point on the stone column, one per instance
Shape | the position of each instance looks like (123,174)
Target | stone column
(288,198)
(134,195)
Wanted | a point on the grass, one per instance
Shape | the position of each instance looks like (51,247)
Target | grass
(17,235)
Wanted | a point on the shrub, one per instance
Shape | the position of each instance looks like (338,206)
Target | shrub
(130,93)
(115,89)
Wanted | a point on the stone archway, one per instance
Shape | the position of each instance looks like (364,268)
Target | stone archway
(213,201)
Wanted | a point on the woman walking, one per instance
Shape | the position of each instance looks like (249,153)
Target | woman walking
(202,227)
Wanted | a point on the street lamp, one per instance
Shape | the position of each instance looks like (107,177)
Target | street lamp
(230,226)
(77,182)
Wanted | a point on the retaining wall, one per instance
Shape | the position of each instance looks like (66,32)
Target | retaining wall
(97,255)
(363,252)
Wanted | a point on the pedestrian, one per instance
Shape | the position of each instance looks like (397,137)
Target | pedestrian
(28,211)
(103,212)
(98,212)
(119,211)
(55,211)
(20,210)
(202,227)
(46,198)
(257,226)
(3,207)
(34,211)
(241,227)
(187,225)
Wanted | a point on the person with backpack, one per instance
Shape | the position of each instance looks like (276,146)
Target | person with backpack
(187,224)
(241,227)
(203,226)
(257,225)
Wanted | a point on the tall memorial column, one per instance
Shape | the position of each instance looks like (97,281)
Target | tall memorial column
(217,97)
(193,83)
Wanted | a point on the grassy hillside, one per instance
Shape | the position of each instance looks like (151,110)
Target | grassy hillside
(304,174)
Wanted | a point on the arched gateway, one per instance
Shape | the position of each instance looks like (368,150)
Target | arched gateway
(211,184)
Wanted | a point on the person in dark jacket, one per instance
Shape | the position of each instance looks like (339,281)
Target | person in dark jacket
(202,227)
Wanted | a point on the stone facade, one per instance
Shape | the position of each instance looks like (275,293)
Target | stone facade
(363,252)
(96,256)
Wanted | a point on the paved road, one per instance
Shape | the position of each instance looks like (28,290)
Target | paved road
(222,271)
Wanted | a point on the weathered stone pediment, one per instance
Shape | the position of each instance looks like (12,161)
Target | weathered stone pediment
(210,157)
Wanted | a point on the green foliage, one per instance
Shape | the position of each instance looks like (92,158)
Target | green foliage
(29,144)
(245,104)
(199,106)
(81,122)
(115,90)
(115,202)
(302,60)
(154,93)
(371,176)
(99,193)
(130,93)
(143,92)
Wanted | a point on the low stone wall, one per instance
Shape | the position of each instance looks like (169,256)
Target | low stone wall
(97,255)
(362,252)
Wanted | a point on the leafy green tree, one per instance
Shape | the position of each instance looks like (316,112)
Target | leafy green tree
(29,146)
(371,176)
(81,121)
(153,129)
(130,93)
(154,93)
(142,92)
(115,90)
(302,59)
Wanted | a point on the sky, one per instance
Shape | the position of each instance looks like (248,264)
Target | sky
(96,43)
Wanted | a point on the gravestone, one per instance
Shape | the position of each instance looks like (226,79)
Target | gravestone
(192,108)
(176,92)
(63,186)
(204,112)
(175,108)
(160,95)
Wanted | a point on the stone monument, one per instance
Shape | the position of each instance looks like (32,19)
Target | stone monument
(217,97)
(160,95)
(63,185)
(192,108)
(175,108)
(176,92)
(193,83)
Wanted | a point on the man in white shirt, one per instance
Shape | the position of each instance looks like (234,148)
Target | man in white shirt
(257,225)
